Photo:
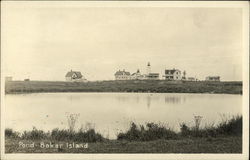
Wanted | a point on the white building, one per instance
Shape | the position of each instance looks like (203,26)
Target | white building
(153,76)
(74,76)
(136,76)
(172,74)
(122,75)
(149,75)
(148,69)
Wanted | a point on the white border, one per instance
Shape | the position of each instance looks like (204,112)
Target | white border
(204,4)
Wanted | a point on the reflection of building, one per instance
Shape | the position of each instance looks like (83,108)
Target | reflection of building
(172,74)
(122,75)
(172,100)
(148,101)
(7,79)
(213,78)
(74,76)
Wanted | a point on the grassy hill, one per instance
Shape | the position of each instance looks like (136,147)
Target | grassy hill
(159,86)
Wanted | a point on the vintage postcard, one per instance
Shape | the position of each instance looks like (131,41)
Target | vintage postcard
(124,80)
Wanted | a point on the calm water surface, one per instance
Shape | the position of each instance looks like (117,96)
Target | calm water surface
(110,113)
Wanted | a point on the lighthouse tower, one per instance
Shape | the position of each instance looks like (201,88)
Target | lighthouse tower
(148,69)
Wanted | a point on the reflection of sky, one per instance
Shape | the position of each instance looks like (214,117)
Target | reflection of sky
(111,113)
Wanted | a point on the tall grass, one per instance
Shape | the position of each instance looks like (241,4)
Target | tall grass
(12,134)
(57,134)
(228,126)
(82,135)
(151,131)
(79,136)
(232,126)
(35,134)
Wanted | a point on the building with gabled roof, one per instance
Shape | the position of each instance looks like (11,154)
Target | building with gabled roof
(172,74)
(122,75)
(137,75)
(74,76)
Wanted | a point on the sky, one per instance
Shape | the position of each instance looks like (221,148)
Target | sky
(44,42)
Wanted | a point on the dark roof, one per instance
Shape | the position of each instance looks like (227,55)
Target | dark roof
(121,73)
(171,71)
(70,74)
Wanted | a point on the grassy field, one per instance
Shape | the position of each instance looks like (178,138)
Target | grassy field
(159,86)
(229,144)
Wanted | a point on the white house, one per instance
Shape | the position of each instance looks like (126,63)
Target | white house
(74,76)
(122,75)
(172,74)
(137,75)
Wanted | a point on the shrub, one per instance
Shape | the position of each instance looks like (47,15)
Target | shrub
(80,136)
(34,134)
(152,131)
(10,133)
(88,136)
(61,135)
(232,126)
(185,130)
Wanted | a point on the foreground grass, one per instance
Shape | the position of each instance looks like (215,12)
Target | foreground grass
(159,86)
(228,144)
(226,137)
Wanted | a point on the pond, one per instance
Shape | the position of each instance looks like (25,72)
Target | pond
(111,113)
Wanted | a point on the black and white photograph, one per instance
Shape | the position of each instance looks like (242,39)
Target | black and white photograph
(125,80)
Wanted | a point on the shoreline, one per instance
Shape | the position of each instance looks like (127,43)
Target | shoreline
(131,86)
(226,137)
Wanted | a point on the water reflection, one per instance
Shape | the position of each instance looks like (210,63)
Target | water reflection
(148,101)
(149,98)
(113,112)
(172,99)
